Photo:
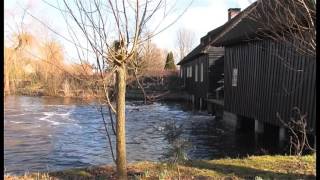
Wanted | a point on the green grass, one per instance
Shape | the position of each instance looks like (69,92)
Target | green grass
(252,167)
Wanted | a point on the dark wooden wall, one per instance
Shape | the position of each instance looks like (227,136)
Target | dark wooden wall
(199,89)
(272,77)
(215,74)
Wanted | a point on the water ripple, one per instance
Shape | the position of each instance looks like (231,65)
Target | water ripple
(52,133)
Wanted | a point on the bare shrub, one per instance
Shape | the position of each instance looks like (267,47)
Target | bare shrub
(297,126)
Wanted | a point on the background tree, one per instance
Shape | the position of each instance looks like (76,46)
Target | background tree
(52,67)
(185,42)
(170,65)
(152,59)
(15,59)
(149,63)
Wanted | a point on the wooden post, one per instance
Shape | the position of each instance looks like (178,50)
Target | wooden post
(258,129)
(193,101)
(258,126)
(282,136)
(282,133)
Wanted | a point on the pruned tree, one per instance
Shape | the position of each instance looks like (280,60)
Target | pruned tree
(113,31)
(185,42)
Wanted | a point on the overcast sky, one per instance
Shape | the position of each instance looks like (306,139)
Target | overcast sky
(201,17)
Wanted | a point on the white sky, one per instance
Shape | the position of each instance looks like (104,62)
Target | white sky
(202,17)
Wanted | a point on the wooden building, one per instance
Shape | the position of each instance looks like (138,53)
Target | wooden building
(202,69)
(250,74)
(264,76)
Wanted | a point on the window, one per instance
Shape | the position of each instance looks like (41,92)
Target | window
(181,72)
(189,71)
(234,77)
(196,73)
(201,71)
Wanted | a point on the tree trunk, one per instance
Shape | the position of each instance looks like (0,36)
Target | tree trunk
(121,123)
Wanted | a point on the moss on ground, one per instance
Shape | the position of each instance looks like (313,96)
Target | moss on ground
(252,167)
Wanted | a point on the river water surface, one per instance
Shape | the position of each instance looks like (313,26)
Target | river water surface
(49,134)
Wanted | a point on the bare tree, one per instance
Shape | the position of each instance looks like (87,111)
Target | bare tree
(113,30)
(185,42)
(297,126)
(152,59)
(15,60)
(149,62)
(53,58)
(289,21)
(20,40)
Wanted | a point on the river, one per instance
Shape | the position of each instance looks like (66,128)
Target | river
(49,134)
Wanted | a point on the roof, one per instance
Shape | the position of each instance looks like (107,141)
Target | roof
(197,51)
(240,20)
(256,23)
(215,34)
(202,47)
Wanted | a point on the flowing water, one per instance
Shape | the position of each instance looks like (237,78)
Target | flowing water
(49,134)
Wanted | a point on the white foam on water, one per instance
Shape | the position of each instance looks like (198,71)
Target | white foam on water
(47,116)
(10,115)
(16,122)
(63,114)
(53,122)
(78,125)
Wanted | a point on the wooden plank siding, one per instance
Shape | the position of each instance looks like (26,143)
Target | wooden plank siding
(214,74)
(272,77)
(199,89)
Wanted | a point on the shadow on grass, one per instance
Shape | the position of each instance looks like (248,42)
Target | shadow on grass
(247,172)
(96,173)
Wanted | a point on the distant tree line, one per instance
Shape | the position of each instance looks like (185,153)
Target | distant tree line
(39,67)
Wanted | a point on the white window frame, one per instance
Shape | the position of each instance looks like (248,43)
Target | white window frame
(187,72)
(234,77)
(201,71)
(196,73)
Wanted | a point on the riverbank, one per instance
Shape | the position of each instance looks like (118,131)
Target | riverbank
(135,94)
(252,167)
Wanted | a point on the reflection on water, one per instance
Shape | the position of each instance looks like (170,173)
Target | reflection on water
(45,133)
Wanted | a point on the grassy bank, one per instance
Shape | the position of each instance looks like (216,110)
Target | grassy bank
(253,167)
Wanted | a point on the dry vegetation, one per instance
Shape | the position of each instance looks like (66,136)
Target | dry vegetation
(253,167)
(35,67)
